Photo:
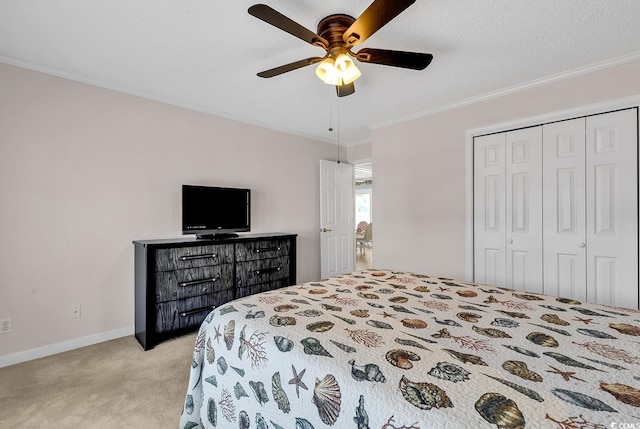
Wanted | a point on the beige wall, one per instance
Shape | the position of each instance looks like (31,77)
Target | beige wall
(419,187)
(361,152)
(84,171)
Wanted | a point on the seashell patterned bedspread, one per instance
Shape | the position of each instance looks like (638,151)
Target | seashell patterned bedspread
(391,350)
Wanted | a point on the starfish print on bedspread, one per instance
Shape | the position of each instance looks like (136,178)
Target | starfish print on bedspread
(567,375)
(297,380)
(585,321)
(218,334)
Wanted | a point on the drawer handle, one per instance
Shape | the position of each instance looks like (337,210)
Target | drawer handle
(191,257)
(268,270)
(197,310)
(268,249)
(195,282)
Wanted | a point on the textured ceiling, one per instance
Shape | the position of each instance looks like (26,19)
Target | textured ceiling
(205,55)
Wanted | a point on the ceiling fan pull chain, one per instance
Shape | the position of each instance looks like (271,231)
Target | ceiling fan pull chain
(330,117)
(338,126)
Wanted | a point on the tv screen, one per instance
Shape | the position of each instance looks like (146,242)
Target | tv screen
(211,212)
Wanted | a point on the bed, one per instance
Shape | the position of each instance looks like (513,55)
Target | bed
(391,350)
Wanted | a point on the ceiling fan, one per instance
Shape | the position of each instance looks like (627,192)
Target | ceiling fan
(337,34)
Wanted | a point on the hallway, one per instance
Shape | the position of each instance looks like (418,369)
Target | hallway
(364,260)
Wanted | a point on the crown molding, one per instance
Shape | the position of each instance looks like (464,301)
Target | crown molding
(147,96)
(514,89)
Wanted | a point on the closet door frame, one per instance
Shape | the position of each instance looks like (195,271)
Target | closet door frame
(587,110)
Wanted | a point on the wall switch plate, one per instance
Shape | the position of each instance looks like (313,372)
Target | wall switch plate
(5,326)
(76,311)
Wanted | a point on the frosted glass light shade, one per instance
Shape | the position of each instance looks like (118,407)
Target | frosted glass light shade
(346,69)
(326,71)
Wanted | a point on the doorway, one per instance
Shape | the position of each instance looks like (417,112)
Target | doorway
(363,176)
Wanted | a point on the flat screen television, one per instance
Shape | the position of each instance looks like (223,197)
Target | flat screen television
(214,212)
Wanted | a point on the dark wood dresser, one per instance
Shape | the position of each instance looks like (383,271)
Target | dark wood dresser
(179,281)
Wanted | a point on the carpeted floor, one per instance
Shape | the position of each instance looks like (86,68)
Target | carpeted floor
(108,385)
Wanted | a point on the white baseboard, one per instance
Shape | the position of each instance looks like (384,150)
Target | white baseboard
(64,346)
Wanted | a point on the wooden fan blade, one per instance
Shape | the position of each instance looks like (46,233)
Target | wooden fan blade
(379,13)
(275,18)
(290,67)
(407,60)
(344,90)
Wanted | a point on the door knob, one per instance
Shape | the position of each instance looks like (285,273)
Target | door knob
(510,241)
(325,230)
(581,244)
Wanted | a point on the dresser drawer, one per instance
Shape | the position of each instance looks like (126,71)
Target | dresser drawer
(262,249)
(188,282)
(261,287)
(192,257)
(184,313)
(260,271)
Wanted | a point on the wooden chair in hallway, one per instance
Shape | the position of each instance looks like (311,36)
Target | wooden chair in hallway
(362,226)
(365,239)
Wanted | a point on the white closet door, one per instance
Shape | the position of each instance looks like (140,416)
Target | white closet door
(612,222)
(489,209)
(565,271)
(524,209)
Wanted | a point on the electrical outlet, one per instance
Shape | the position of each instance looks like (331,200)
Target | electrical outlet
(76,311)
(5,326)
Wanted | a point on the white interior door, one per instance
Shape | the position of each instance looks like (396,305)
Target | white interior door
(489,209)
(337,229)
(524,209)
(612,207)
(565,269)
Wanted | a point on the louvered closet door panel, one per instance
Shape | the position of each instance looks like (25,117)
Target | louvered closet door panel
(524,209)
(489,209)
(612,222)
(564,209)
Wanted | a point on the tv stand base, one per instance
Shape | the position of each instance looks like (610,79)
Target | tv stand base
(220,236)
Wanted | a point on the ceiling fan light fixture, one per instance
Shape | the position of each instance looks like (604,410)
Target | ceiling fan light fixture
(327,72)
(341,71)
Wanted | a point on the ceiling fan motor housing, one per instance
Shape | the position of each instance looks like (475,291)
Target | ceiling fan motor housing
(331,28)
